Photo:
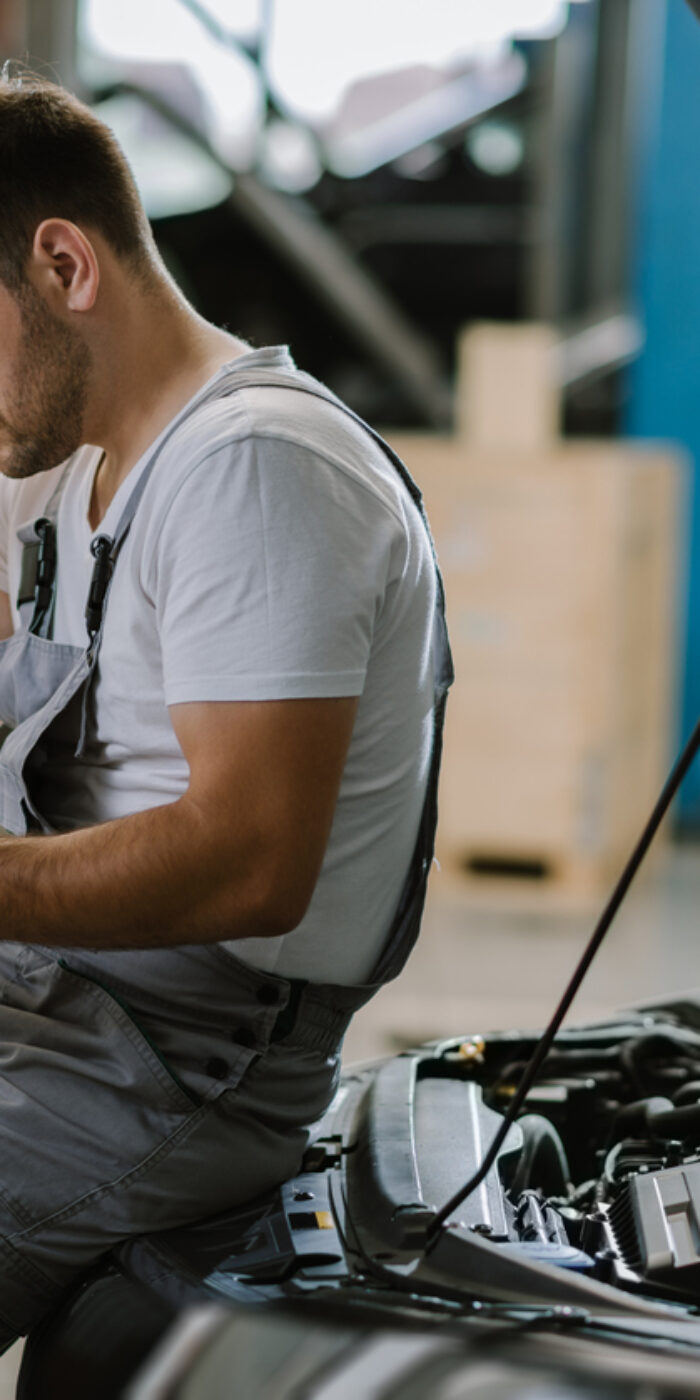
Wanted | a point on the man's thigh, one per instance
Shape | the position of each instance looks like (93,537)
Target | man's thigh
(101,1139)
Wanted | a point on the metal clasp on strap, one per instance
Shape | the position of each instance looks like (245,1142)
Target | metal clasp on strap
(102,552)
(39,575)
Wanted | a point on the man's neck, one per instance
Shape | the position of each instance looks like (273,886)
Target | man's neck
(146,385)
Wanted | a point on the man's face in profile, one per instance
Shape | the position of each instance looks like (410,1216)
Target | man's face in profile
(44,374)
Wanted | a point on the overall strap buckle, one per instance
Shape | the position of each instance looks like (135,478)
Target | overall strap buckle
(102,551)
(38,576)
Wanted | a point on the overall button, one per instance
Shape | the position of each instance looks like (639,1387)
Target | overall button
(267,994)
(216,1068)
(244,1037)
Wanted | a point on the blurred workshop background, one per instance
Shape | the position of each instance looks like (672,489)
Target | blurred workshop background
(478,221)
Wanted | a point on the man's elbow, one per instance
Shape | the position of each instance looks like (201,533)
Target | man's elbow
(258,888)
(274,907)
(280,913)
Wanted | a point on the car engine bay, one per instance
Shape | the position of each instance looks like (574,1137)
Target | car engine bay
(593,1201)
(577,1255)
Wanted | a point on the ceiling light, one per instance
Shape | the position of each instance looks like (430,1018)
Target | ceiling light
(496,147)
(288,158)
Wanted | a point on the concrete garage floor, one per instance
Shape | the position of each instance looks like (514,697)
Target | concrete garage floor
(500,959)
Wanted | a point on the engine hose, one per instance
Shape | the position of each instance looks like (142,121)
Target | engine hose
(560,1061)
(657,1044)
(689,1093)
(542,1162)
(658,1119)
(634,1119)
(673,1077)
(611,1079)
(683,1123)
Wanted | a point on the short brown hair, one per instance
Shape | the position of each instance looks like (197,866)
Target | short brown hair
(58,160)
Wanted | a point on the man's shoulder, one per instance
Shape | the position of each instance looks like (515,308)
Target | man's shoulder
(284,415)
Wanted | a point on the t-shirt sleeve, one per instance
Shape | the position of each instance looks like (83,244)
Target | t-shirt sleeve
(269,572)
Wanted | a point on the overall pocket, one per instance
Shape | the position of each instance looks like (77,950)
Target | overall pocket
(206,1030)
(149,1053)
(85,1098)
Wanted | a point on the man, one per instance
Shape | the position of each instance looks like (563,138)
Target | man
(227,777)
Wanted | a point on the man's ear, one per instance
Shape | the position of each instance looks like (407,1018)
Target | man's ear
(64,266)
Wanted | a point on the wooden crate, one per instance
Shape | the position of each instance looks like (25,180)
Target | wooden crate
(562,570)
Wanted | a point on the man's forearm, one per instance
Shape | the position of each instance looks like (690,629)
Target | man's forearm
(148,880)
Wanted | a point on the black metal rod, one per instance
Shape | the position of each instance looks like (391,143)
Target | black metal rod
(544,1045)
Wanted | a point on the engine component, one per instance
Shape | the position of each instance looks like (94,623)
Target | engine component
(543,1161)
(656,1224)
(418,1136)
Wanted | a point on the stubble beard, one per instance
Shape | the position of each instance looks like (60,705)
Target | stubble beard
(44,422)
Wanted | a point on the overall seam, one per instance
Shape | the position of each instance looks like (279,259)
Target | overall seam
(147,1163)
(130,1028)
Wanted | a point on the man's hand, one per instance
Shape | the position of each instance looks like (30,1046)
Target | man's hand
(237,856)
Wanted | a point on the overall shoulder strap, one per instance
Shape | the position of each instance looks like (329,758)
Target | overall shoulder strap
(408,914)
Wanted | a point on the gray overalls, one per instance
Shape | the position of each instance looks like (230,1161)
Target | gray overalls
(142,1089)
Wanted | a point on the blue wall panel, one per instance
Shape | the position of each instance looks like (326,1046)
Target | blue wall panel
(664,384)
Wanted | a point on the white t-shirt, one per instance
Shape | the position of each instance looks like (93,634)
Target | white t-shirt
(275,553)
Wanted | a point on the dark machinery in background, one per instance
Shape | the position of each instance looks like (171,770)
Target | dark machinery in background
(371,278)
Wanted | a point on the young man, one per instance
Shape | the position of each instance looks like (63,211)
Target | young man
(225,766)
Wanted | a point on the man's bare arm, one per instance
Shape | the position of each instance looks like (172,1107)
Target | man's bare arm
(238,855)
